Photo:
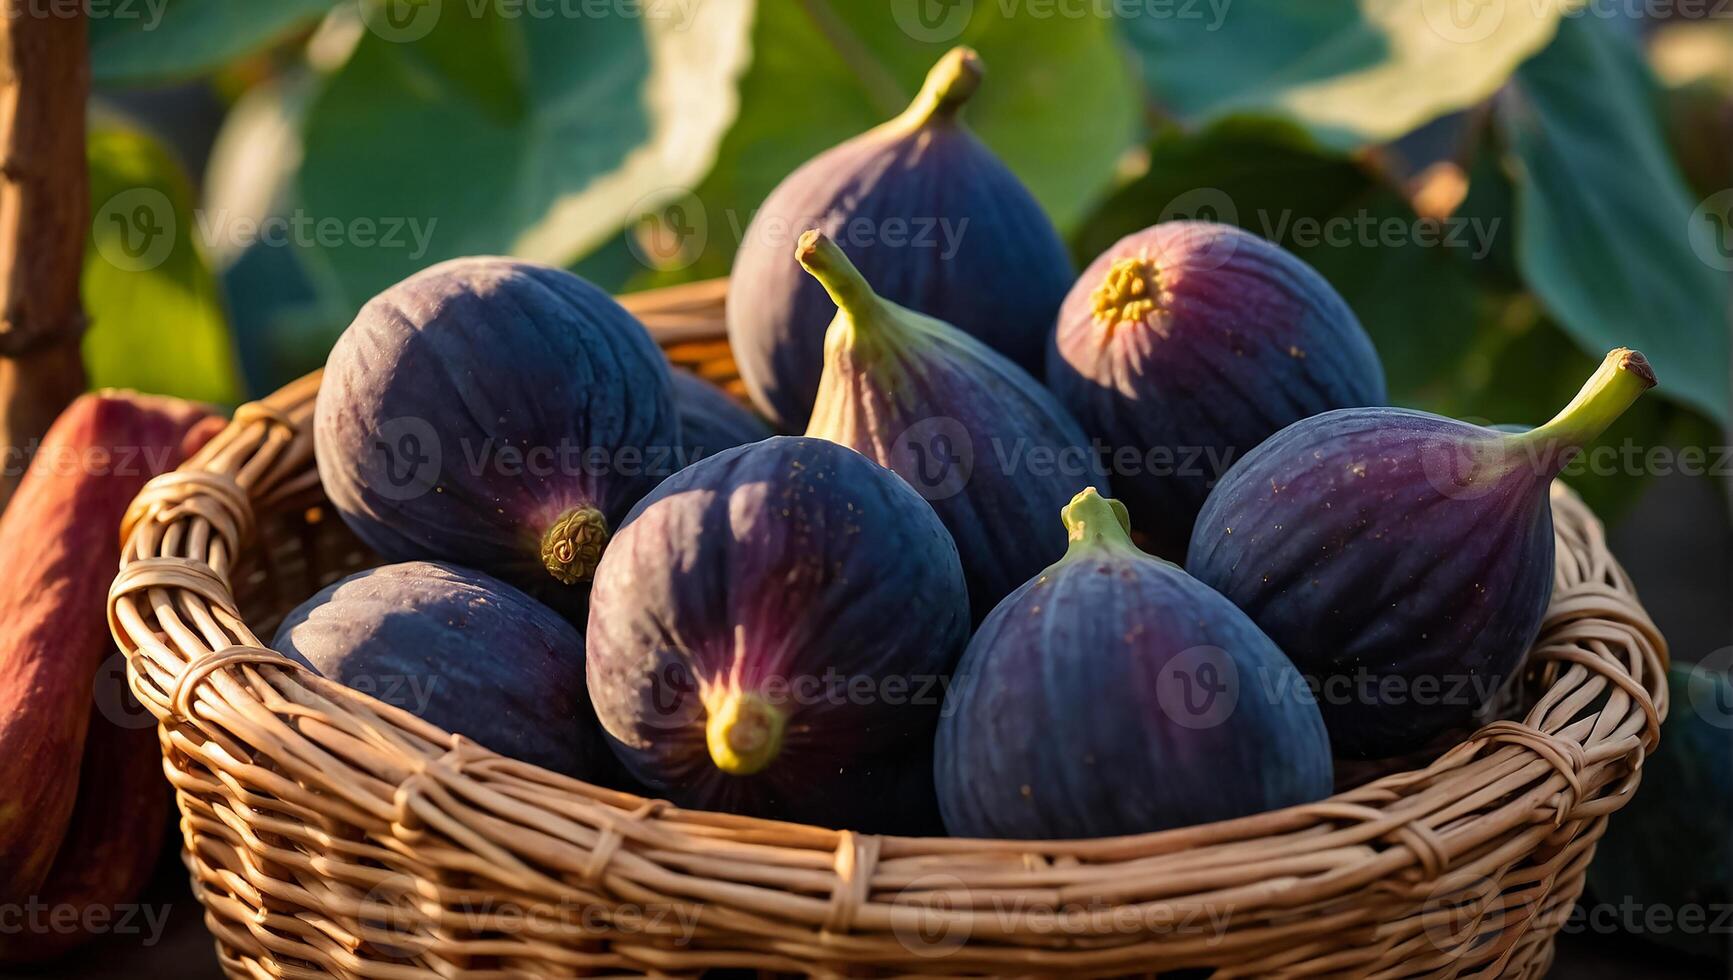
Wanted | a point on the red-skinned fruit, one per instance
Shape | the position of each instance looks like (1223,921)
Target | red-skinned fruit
(58,550)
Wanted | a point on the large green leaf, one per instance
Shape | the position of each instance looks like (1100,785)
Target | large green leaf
(478,132)
(156,323)
(1411,282)
(1609,239)
(1351,72)
(1058,103)
(145,41)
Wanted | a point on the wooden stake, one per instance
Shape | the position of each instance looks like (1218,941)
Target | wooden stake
(44,219)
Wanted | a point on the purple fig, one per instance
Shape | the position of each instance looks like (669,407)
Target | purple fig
(1115,694)
(495,413)
(711,420)
(931,216)
(1188,343)
(973,433)
(770,630)
(1402,560)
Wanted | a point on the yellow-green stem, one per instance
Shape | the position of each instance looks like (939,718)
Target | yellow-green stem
(744,732)
(1622,377)
(1093,521)
(950,83)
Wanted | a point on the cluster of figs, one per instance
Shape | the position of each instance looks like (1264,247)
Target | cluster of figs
(1051,557)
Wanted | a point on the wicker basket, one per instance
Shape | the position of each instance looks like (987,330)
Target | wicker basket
(328,834)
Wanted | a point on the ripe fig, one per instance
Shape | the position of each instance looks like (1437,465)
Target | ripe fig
(1188,343)
(931,216)
(462,650)
(974,434)
(770,630)
(1115,694)
(1403,560)
(711,421)
(495,413)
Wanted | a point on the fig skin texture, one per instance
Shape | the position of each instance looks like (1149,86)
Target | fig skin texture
(974,434)
(770,631)
(932,218)
(710,420)
(499,414)
(1187,344)
(1115,694)
(1404,561)
(461,650)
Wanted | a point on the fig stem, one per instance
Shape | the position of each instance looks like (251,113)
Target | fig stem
(950,83)
(572,547)
(744,732)
(823,258)
(1094,521)
(1615,385)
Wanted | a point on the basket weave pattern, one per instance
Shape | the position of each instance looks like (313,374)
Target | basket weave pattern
(328,834)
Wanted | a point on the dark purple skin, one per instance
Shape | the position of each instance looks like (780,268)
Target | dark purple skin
(482,359)
(991,450)
(463,651)
(1383,543)
(1003,284)
(710,420)
(771,569)
(1082,708)
(1245,339)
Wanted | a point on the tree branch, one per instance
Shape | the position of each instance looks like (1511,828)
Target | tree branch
(44,217)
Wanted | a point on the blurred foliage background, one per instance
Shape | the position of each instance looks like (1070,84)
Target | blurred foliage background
(1502,189)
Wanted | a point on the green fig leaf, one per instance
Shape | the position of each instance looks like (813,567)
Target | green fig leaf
(1349,72)
(1410,281)
(139,41)
(1057,103)
(156,320)
(1608,236)
(460,130)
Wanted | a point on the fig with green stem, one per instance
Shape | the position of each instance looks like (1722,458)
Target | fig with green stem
(935,221)
(1115,694)
(1402,559)
(973,433)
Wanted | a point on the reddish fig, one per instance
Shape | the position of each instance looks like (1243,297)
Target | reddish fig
(931,216)
(1403,560)
(1188,343)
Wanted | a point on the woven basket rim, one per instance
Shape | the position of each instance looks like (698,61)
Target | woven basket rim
(251,736)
